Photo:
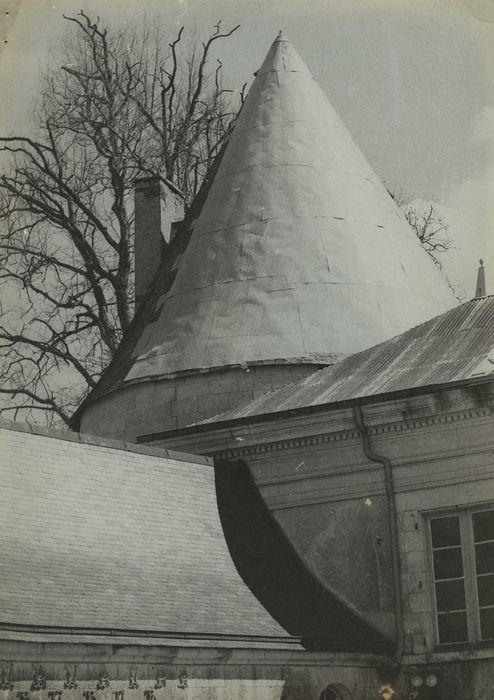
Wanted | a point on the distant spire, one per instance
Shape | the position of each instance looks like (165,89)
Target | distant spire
(480,290)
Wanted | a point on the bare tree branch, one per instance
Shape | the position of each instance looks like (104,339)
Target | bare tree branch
(427,224)
(123,104)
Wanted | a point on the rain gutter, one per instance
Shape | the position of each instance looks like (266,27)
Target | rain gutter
(148,634)
(392,525)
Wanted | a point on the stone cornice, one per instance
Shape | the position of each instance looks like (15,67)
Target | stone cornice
(471,652)
(287,444)
(21,648)
(345,435)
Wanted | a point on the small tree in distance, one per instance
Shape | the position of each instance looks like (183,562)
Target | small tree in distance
(429,229)
(428,226)
(125,103)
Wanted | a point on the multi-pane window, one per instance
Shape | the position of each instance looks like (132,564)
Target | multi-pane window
(463,567)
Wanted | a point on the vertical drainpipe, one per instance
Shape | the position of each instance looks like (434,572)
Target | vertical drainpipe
(392,525)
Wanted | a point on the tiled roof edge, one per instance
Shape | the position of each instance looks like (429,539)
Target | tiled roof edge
(146,633)
(86,439)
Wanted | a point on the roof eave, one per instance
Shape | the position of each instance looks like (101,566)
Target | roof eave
(313,408)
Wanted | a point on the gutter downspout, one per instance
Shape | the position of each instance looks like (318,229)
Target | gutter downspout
(393,528)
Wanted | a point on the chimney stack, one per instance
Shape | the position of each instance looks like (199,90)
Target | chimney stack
(158,205)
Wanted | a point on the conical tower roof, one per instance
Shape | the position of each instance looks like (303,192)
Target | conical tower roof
(299,252)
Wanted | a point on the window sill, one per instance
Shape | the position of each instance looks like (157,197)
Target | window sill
(463,646)
(442,653)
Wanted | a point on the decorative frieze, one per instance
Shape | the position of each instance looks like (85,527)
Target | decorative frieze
(344,435)
(39,678)
(6,675)
(100,685)
(160,679)
(287,444)
(70,682)
(183,680)
(133,684)
(103,679)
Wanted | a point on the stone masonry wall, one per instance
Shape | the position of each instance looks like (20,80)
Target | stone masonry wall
(121,669)
(166,404)
(329,499)
(148,670)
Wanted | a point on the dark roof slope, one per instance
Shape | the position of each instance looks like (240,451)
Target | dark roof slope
(455,346)
(270,566)
(98,539)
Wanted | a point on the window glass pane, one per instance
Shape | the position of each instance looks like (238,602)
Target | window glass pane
(445,531)
(483,525)
(448,563)
(450,595)
(452,627)
(484,556)
(485,587)
(487,623)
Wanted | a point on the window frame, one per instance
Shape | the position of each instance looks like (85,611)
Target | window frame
(467,544)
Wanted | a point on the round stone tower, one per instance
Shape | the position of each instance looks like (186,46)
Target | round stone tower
(296,257)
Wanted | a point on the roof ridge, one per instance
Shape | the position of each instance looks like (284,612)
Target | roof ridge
(87,439)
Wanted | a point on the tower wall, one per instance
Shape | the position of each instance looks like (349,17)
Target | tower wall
(154,406)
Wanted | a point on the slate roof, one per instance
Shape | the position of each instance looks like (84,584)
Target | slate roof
(106,538)
(453,347)
(98,537)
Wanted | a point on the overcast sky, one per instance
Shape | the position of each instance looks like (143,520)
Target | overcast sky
(412,79)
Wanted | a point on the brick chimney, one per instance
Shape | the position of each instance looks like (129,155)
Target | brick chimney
(157,206)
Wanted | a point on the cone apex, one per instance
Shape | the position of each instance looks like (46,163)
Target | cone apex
(281,36)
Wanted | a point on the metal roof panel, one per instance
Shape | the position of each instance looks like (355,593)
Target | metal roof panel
(455,346)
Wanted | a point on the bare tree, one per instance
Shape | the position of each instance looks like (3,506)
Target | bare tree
(428,225)
(430,229)
(125,103)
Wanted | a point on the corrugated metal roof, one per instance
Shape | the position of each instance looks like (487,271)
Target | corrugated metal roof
(456,346)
